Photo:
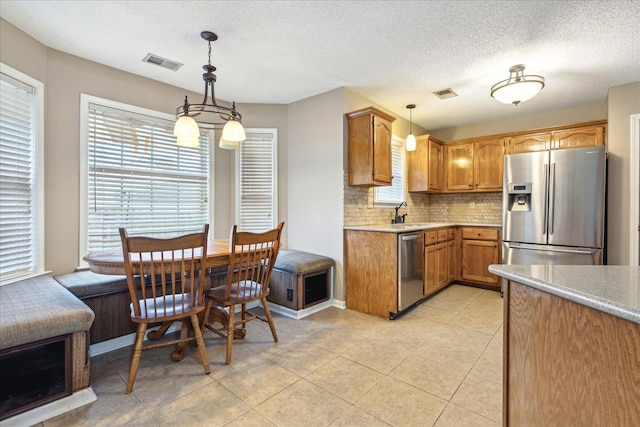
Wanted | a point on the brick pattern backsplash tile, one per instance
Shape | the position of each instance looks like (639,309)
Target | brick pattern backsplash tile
(465,207)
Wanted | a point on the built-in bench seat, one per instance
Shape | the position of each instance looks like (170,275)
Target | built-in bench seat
(300,279)
(43,334)
(108,297)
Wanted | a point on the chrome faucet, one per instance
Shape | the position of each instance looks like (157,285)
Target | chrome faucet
(399,218)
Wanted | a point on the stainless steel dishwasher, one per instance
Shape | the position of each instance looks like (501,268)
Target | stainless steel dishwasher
(410,260)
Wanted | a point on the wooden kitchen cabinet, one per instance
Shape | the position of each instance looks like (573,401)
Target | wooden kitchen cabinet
(578,137)
(488,154)
(438,259)
(459,161)
(425,165)
(371,272)
(475,165)
(369,146)
(480,248)
(529,143)
(589,134)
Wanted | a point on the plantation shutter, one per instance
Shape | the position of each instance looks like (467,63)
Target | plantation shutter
(18,161)
(257,200)
(395,192)
(139,178)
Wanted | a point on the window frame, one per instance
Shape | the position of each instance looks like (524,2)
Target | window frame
(39,199)
(399,144)
(274,174)
(85,101)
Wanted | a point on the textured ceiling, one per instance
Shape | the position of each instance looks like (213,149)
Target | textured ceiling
(393,53)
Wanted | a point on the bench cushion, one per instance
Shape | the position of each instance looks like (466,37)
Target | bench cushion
(300,263)
(38,308)
(89,284)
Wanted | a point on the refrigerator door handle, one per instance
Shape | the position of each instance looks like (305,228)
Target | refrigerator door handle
(552,195)
(546,199)
(555,249)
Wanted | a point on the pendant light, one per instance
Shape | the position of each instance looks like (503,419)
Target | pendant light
(411,140)
(209,115)
(518,87)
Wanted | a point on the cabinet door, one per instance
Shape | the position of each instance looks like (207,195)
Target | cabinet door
(430,269)
(451,257)
(435,166)
(381,150)
(460,167)
(488,163)
(443,265)
(579,137)
(477,255)
(529,143)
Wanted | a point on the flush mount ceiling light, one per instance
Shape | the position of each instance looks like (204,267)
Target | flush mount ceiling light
(518,87)
(208,115)
(411,140)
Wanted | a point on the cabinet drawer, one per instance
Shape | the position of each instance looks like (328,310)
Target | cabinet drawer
(442,236)
(451,234)
(480,233)
(430,237)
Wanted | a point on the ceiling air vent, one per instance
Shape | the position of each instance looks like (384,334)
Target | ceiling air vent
(163,62)
(445,93)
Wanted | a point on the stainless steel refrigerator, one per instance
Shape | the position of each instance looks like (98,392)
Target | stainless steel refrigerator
(554,207)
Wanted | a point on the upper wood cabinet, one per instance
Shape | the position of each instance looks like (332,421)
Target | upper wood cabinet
(459,158)
(528,143)
(585,135)
(488,154)
(369,147)
(578,137)
(425,165)
(475,165)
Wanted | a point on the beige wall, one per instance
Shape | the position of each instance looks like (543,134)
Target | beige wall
(65,77)
(623,101)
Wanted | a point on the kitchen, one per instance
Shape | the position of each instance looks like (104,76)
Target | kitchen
(315,201)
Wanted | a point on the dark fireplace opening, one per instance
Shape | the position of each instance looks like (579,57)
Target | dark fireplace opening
(315,289)
(33,374)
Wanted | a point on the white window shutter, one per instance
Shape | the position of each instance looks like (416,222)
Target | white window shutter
(395,192)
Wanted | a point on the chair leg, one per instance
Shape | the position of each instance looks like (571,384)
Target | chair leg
(272,326)
(135,357)
(207,314)
(200,341)
(230,329)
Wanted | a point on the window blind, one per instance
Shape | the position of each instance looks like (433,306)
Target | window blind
(257,184)
(140,179)
(18,161)
(395,192)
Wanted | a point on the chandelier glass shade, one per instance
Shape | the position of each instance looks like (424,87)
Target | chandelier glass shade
(517,88)
(410,142)
(208,114)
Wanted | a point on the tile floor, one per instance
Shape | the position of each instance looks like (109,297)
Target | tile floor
(439,365)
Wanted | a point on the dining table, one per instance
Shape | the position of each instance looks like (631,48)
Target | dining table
(111,262)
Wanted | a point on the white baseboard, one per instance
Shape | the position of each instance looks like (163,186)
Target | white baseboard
(340,304)
(299,314)
(51,409)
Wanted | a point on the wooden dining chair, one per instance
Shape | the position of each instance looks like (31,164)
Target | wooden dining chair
(252,257)
(171,288)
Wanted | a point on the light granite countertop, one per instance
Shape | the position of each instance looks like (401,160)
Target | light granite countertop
(614,289)
(404,228)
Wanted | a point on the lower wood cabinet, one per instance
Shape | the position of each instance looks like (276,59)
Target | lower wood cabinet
(439,259)
(480,248)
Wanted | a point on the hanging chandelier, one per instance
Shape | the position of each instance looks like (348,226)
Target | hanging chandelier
(411,140)
(518,87)
(209,115)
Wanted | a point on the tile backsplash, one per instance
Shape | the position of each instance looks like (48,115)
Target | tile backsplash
(359,208)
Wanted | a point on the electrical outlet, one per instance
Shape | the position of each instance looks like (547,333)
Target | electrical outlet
(289,294)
